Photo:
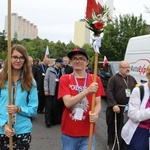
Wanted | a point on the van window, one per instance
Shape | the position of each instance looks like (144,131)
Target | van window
(116,67)
(106,72)
(111,68)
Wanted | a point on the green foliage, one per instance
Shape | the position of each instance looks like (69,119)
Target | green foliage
(15,39)
(3,55)
(117,35)
(3,42)
(114,41)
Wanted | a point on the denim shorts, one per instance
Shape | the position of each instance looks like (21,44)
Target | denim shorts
(20,142)
(76,143)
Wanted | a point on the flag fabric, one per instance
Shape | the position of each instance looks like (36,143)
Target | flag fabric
(105,61)
(92,5)
(97,44)
(47,52)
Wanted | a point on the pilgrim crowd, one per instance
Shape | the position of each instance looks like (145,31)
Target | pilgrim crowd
(63,92)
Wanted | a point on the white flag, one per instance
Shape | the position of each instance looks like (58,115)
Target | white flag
(97,44)
(47,52)
(105,61)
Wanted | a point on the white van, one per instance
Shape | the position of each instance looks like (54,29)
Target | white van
(138,55)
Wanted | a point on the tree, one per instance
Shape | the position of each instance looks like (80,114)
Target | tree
(15,39)
(114,41)
(59,49)
(117,34)
(3,41)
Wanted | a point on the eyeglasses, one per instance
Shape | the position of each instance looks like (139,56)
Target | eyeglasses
(80,59)
(15,58)
(125,67)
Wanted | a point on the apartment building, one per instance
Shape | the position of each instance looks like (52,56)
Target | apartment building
(21,27)
(81,33)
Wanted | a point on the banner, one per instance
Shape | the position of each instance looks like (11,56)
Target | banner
(47,52)
(105,61)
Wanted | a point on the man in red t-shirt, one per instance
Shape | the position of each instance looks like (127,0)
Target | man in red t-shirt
(76,90)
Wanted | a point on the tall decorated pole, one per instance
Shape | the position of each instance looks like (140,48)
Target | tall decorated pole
(96,18)
(9,69)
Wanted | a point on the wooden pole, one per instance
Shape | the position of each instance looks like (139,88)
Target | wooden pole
(9,69)
(93,101)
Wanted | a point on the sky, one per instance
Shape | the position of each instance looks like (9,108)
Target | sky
(55,19)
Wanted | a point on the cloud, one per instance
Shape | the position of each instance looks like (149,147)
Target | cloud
(54,19)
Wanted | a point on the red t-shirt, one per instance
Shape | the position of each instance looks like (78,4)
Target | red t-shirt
(67,86)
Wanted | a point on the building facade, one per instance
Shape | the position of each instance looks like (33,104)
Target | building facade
(21,28)
(81,33)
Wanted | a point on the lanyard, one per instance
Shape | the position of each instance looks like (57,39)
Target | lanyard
(57,71)
(44,69)
(126,82)
(85,80)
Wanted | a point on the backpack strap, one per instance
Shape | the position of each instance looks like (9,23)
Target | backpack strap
(141,92)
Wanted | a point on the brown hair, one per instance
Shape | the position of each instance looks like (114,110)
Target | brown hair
(27,78)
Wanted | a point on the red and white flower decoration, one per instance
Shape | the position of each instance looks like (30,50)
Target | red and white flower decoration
(98,21)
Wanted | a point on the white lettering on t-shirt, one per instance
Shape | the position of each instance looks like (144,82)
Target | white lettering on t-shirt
(74,87)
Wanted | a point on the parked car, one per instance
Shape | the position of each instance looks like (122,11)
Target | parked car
(111,68)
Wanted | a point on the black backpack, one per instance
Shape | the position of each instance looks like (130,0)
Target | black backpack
(125,119)
(141,92)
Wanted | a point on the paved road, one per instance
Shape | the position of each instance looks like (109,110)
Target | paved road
(44,138)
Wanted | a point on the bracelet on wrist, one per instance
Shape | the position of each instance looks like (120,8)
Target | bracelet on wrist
(18,109)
